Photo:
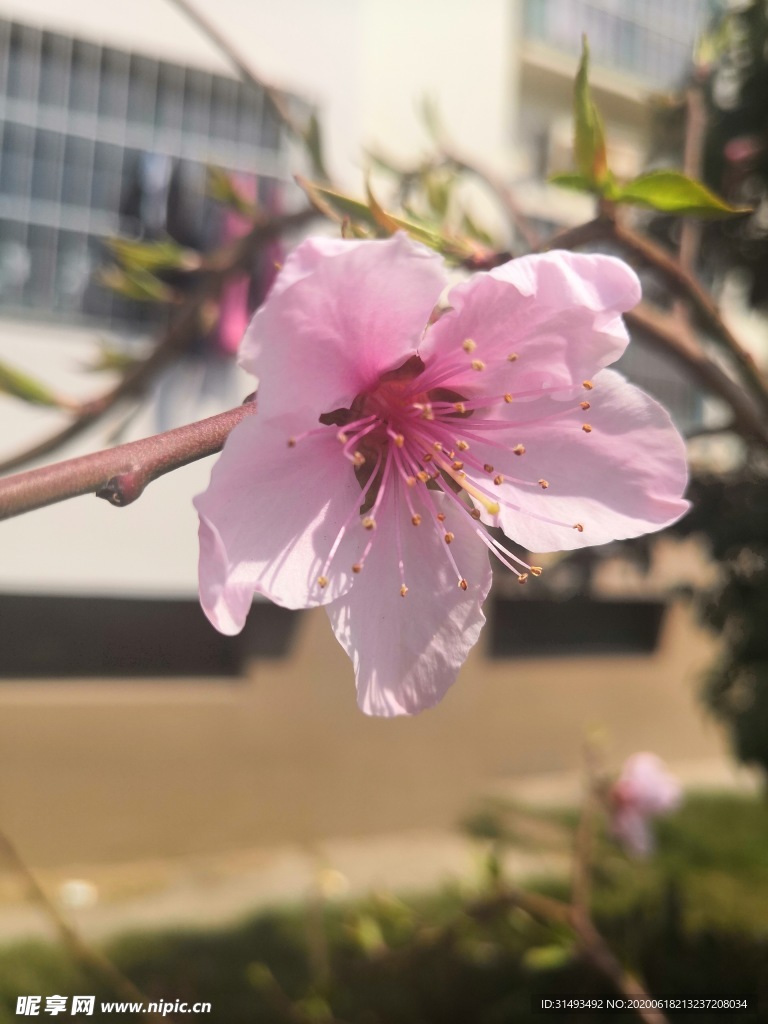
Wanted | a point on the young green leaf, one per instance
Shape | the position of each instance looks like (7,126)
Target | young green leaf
(577,182)
(166,255)
(674,192)
(21,385)
(589,138)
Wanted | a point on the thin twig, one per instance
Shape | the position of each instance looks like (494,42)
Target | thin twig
(695,131)
(219,267)
(119,474)
(502,192)
(605,228)
(679,343)
(245,70)
(92,960)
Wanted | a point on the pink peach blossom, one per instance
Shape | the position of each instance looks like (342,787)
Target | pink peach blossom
(390,436)
(644,790)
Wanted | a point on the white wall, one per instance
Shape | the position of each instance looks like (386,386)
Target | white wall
(367,64)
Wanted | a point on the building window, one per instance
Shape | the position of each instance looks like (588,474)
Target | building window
(651,39)
(97,142)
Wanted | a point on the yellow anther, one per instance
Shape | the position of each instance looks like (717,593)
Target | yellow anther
(357,567)
(427,457)
(449,538)
(437,446)
(422,476)
(523,577)
(460,407)
(426,413)
(322,581)
(291,442)
(536,570)
(441,517)
(512,357)
(491,506)
(519,449)
(411,481)
(358,459)
(462,446)
(475,513)
(478,364)
(543,484)
(586,428)
(587,384)
(463,584)
(403,590)
(342,437)
(579,527)
(369,523)
(498,479)
(416,519)
(507,398)
(584,405)
(468,345)
(399,440)
(457,465)
(488,467)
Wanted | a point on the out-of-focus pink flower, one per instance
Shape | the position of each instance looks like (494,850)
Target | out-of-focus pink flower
(644,790)
(388,440)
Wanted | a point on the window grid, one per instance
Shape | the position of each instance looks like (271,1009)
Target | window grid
(76,118)
(652,39)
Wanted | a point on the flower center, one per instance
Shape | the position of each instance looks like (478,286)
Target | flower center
(414,436)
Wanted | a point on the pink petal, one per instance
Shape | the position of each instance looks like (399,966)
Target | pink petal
(649,785)
(622,479)
(269,518)
(558,312)
(350,312)
(408,650)
(632,830)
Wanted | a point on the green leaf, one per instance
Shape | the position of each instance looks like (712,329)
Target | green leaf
(674,192)
(547,958)
(139,285)
(578,182)
(223,189)
(167,255)
(313,141)
(21,385)
(589,138)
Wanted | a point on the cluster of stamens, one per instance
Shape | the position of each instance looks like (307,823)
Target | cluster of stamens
(414,434)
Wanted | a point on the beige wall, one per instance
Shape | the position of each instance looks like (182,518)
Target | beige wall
(96,771)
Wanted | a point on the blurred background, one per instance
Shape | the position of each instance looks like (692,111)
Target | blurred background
(154,772)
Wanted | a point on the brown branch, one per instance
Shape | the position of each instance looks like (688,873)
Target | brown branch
(502,192)
(695,132)
(673,339)
(218,267)
(606,228)
(119,474)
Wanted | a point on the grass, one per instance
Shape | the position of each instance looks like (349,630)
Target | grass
(692,919)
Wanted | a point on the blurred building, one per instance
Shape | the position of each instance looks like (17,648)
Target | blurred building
(128,727)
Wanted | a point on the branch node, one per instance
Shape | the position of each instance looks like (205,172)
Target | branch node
(124,488)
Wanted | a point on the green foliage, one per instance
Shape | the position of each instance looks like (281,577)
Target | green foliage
(223,189)
(674,192)
(139,285)
(589,136)
(691,920)
(730,515)
(150,256)
(20,385)
(313,141)
(370,220)
(668,191)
